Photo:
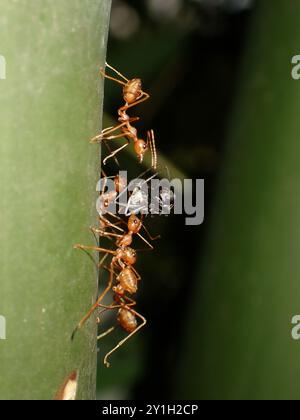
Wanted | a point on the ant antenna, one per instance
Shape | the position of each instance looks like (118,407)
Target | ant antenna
(116,71)
(151,141)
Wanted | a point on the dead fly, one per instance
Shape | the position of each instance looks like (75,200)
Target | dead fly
(140,198)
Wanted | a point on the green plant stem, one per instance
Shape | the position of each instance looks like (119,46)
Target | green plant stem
(51,100)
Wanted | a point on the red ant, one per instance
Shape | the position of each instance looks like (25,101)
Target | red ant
(127,282)
(134,226)
(127,316)
(123,257)
(132,95)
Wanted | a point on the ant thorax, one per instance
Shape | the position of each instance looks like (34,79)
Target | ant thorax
(123,116)
(126,255)
(125,241)
(133,131)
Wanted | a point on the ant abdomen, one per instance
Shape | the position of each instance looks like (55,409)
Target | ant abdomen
(128,280)
(132,90)
(127,320)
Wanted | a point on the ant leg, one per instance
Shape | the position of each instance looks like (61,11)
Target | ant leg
(138,277)
(95,306)
(145,240)
(143,97)
(100,137)
(116,71)
(112,306)
(110,130)
(151,247)
(119,136)
(102,233)
(144,321)
(102,72)
(101,262)
(151,144)
(110,224)
(138,234)
(94,248)
(131,303)
(85,249)
(120,221)
(105,333)
(152,238)
(110,151)
(105,223)
(91,257)
(116,151)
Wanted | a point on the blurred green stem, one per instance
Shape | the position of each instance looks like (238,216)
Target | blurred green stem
(51,100)
(239,342)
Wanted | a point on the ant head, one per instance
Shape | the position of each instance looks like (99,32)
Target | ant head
(132,90)
(104,202)
(140,148)
(134,224)
(126,240)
